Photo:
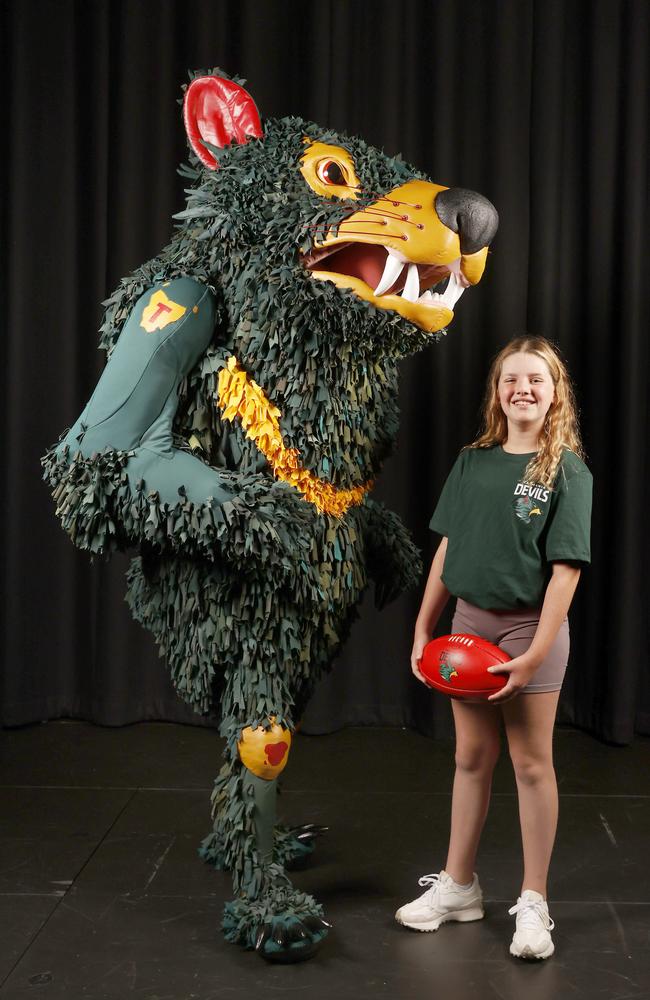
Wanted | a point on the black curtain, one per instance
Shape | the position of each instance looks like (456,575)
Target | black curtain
(542,106)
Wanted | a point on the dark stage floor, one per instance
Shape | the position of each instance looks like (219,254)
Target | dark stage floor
(102,894)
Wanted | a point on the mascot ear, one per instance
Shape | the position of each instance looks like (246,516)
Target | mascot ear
(218,111)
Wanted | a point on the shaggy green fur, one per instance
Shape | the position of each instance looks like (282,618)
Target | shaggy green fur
(250,597)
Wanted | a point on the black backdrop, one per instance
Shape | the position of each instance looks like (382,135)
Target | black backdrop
(542,106)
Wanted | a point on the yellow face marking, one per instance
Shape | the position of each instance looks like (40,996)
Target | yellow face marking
(405,222)
(160,311)
(324,167)
(473,265)
(429,318)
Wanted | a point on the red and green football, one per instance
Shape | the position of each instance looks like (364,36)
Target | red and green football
(457,665)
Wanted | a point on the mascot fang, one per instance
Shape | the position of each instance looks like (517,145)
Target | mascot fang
(248,402)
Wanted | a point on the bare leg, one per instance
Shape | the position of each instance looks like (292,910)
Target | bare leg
(529,720)
(477,751)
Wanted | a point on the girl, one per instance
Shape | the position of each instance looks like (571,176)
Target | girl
(514,515)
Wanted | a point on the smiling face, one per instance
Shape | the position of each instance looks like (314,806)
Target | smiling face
(526,390)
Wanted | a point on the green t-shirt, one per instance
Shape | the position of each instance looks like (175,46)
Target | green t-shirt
(503,534)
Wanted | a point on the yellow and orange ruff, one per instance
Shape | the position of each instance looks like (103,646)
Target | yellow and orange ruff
(239,396)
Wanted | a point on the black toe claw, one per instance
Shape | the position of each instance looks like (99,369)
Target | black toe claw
(279,935)
(295,941)
(298,933)
(308,831)
(263,936)
(314,923)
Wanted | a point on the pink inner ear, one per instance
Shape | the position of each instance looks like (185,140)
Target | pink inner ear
(219,112)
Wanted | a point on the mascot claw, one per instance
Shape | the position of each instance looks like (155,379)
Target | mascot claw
(308,832)
(298,846)
(288,939)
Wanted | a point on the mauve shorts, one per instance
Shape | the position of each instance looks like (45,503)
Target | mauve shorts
(513,631)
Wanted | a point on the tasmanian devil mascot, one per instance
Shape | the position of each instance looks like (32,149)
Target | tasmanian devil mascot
(248,402)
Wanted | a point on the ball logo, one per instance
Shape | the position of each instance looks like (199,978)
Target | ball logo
(448,664)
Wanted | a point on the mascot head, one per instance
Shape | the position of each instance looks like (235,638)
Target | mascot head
(329,262)
(342,240)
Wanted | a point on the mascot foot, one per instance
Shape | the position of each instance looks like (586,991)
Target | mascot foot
(293,845)
(279,922)
(287,938)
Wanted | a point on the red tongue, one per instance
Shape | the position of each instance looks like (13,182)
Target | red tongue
(367,261)
(359,260)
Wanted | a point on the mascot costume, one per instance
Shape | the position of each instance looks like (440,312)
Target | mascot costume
(248,402)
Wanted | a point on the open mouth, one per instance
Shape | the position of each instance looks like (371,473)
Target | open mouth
(390,280)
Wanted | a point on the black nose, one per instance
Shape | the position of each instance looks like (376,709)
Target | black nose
(469,214)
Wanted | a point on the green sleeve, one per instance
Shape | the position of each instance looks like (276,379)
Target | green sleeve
(442,515)
(569,530)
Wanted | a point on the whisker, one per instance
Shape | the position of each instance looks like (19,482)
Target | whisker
(346,222)
(392,215)
(384,197)
(359,232)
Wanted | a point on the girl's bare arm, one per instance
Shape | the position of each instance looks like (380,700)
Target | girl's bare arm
(557,600)
(434,600)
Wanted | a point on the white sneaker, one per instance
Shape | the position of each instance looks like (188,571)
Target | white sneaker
(444,900)
(532,938)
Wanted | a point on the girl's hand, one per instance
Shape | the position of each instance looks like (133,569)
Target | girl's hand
(419,642)
(520,670)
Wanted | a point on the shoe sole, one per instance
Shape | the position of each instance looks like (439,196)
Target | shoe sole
(461,916)
(529,955)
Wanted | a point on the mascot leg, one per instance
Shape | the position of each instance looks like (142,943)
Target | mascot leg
(268,913)
(292,845)
(289,846)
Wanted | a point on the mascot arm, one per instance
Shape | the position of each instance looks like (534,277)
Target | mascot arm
(117,478)
(392,559)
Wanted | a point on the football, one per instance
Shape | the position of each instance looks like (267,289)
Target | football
(457,666)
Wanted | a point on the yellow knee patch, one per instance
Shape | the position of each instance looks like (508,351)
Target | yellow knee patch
(265,751)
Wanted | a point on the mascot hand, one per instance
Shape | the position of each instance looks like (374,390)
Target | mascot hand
(270,528)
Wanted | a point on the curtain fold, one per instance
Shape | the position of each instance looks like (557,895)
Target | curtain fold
(543,107)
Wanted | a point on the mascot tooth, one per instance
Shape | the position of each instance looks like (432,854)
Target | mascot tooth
(248,402)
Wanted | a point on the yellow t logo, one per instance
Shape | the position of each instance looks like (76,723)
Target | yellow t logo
(160,311)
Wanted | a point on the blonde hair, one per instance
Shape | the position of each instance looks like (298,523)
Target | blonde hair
(560,430)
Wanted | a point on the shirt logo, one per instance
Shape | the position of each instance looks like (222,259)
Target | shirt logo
(525,509)
(159,311)
(527,501)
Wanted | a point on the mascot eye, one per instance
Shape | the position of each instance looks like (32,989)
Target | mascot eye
(331,172)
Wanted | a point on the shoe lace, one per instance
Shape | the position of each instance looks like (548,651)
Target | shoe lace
(433,881)
(532,912)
